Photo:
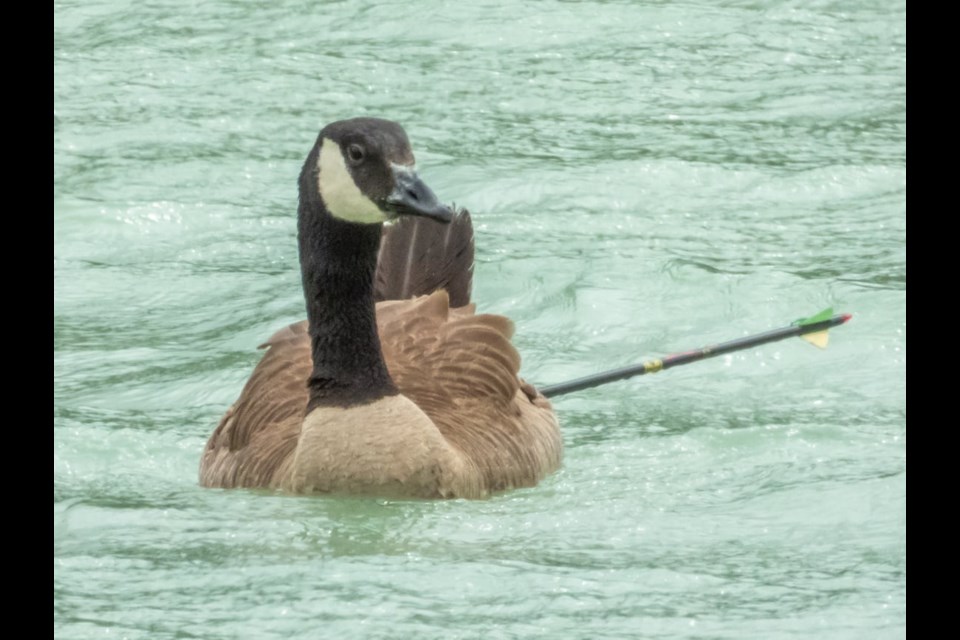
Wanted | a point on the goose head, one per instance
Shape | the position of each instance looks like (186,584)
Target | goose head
(366,174)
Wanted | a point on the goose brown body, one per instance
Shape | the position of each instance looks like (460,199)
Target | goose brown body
(451,419)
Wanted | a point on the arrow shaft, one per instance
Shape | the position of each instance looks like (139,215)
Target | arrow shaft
(686,357)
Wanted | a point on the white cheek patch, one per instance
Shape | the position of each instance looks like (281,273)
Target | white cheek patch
(339,192)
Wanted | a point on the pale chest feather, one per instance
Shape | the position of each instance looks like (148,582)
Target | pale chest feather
(388,447)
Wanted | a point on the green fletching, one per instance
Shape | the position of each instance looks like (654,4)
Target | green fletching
(826,314)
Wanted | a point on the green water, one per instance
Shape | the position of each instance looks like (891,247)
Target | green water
(645,177)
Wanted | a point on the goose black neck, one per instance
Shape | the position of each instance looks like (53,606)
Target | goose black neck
(338,260)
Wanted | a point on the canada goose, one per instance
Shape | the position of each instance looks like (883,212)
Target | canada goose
(417,397)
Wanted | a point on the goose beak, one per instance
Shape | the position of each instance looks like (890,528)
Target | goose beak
(412,197)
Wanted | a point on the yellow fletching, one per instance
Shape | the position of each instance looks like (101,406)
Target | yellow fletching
(817,338)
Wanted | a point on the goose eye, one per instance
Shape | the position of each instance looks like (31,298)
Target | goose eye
(356,153)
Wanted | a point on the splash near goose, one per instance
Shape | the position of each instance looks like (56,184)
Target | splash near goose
(394,386)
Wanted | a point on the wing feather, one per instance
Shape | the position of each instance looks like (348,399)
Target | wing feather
(419,256)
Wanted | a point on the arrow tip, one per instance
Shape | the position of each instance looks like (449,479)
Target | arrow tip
(844,317)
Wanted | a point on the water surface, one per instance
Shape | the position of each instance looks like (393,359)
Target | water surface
(645,177)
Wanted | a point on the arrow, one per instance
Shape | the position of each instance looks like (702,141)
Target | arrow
(813,330)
